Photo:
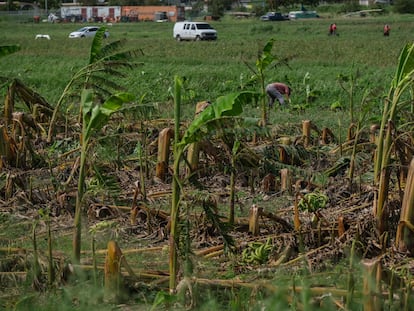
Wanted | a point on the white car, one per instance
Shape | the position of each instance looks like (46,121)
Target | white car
(88,31)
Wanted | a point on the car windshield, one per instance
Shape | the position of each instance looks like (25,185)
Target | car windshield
(204,26)
(83,29)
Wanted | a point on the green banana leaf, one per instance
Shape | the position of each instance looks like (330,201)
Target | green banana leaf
(266,58)
(230,105)
(96,47)
(96,116)
(405,64)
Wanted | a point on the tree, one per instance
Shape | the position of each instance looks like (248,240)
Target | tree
(217,7)
(404,6)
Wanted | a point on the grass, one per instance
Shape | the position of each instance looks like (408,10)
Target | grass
(211,69)
(216,68)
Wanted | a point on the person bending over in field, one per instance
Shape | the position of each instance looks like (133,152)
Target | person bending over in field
(276,90)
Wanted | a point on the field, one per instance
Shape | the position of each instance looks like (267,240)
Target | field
(287,212)
(216,68)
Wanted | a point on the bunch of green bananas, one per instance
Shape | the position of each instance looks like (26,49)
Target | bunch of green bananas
(257,252)
(313,201)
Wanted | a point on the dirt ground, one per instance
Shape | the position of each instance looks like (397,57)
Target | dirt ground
(117,207)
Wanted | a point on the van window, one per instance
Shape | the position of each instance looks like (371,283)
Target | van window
(187,27)
(192,27)
(204,26)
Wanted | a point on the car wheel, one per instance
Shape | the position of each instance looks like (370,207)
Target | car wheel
(198,38)
(178,38)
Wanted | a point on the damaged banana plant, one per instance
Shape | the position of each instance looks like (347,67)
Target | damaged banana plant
(396,107)
(227,106)
(94,117)
(102,74)
(19,127)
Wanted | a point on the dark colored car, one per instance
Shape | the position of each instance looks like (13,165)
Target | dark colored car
(274,16)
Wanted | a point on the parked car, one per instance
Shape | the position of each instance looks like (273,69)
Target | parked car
(274,16)
(88,31)
(194,31)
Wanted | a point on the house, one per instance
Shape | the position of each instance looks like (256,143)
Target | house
(372,2)
(170,13)
(74,12)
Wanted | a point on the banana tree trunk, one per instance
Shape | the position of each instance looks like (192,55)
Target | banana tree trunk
(176,190)
(77,234)
(164,140)
(405,231)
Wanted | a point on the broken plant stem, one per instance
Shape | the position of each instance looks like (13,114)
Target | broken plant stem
(175,209)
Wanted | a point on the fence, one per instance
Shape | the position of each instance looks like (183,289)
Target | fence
(23,16)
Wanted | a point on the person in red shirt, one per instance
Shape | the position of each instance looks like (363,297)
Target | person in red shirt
(387,30)
(332,29)
(276,90)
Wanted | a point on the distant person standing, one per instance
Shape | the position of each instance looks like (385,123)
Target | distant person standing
(332,29)
(276,90)
(387,30)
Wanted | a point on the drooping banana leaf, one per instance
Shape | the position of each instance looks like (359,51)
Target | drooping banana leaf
(95,116)
(230,105)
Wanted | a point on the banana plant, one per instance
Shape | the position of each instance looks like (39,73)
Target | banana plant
(361,119)
(405,232)
(224,108)
(9,49)
(394,107)
(16,89)
(101,74)
(264,60)
(348,83)
(235,149)
(94,117)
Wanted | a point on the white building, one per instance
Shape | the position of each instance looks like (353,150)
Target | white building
(371,2)
(96,13)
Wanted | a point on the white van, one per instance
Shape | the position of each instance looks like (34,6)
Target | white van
(194,31)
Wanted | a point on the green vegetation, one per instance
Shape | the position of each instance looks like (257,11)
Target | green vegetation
(212,69)
(314,193)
